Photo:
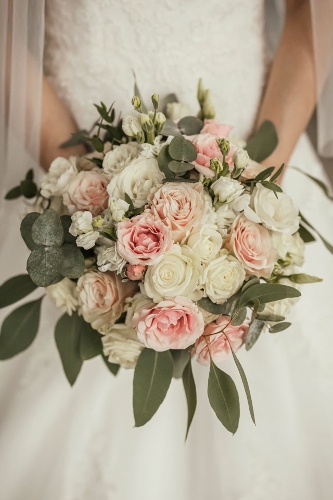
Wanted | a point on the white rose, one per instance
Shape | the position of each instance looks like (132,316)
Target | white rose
(240,158)
(121,345)
(119,157)
(241,203)
(108,258)
(224,217)
(133,304)
(132,127)
(118,208)
(177,110)
(83,229)
(227,190)
(276,213)
(206,242)
(176,274)
(222,277)
(56,181)
(64,295)
(137,180)
(290,247)
(208,213)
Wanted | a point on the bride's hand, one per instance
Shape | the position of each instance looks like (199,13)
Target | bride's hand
(57,125)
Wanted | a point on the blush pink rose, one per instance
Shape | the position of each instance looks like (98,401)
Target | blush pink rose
(218,344)
(143,239)
(171,324)
(87,191)
(253,246)
(215,128)
(179,206)
(102,297)
(207,149)
(135,272)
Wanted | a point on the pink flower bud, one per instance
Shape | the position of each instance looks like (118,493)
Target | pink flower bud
(135,272)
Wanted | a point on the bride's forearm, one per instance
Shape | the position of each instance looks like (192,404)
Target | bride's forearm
(290,96)
(57,125)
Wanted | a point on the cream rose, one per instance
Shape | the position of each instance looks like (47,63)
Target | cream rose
(121,345)
(64,295)
(176,274)
(278,213)
(133,304)
(102,297)
(119,157)
(227,190)
(60,174)
(179,206)
(290,247)
(136,180)
(206,242)
(87,191)
(222,277)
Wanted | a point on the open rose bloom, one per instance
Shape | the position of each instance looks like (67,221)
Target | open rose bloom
(167,246)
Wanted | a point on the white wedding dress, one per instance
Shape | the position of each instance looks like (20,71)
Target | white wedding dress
(63,443)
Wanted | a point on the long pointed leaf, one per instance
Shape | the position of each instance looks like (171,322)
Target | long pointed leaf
(319,183)
(67,337)
(268,292)
(112,367)
(326,243)
(191,394)
(152,377)
(245,384)
(15,289)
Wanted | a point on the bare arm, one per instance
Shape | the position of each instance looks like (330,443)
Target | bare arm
(290,96)
(57,125)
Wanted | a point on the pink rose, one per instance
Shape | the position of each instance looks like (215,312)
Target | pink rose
(87,191)
(207,148)
(143,239)
(102,297)
(135,272)
(253,246)
(218,344)
(214,128)
(171,324)
(179,206)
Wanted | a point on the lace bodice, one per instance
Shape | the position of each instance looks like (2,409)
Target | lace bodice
(93,48)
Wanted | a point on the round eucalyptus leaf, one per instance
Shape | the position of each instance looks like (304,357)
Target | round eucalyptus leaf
(182,149)
(66,222)
(180,167)
(44,265)
(26,228)
(47,229)
(163,161)
(253,334)
(170,128)
(73,263)
(190,125)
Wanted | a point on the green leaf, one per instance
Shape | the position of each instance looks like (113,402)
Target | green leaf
(273,187)
(252,281)
(279,327)
(66,222)
(67,337)
(263,143)
(28,188)
(180,179)
(253,334)
(206,304)
(180,359)
(90,341)
(80,137)
(240,317)
(319,183)
(305,234)
(73,262)
(98,144)
(14,193)
(223,398)
(268,292)
(179,167)
(96,161)
(277,173)
(170,128)
(44,265)
(163,161)
(182,149)
(152,377)
(245,384)
(303,278)
(26,228)
(128,200)
(30,175)
(264,174)
(190,125)
(190,393)
(19,329)
(15,289)
(326,243)
(270,317)
(47,229)
(112,367)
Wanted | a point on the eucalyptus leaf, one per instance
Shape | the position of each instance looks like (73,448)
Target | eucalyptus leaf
(319,183)
(26,228)
(112,367)
(326,243)
(180,359)
(47,229)
(305,234)
(170,128)
(163,161)
(14,193)
(268,292)
(73,262)
(67,337)
(180,167)
(272,186)
(15,289)
(239,318)
(303,278)
(98,144)
(263,143)
(252,281)
(90,341)
(253,333)
(180,179)
(223,398)
(152,377)
(245,384)
(78,138)
(28,188)
(206,304)
(277,173)
(191,394)
(182,149)
(270,317)
(66,222)
(19,329)
(190,125)
(279,327)
(264,174)
(44,265)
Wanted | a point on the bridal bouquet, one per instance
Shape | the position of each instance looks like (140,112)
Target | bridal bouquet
(167,243)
